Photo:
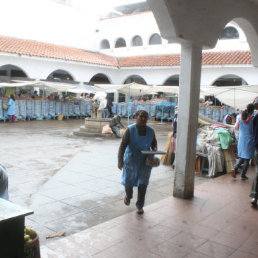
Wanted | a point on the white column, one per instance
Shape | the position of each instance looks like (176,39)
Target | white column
(189,81)
(116,95)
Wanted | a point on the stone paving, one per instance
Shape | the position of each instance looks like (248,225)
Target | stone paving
(217,222)
(71,183)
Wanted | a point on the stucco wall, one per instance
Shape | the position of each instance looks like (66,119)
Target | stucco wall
(39,68)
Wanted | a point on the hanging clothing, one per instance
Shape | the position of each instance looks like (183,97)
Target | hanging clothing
(245,146)
(3,183)
(174,125)
(11,108)
(135,171)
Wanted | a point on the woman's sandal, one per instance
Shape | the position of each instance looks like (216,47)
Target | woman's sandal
(126,201)
(140,211)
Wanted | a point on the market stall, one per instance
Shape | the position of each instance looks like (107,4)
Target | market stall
(158,108)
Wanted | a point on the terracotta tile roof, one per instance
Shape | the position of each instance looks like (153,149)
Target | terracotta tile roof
(46,50)
(157,60)
(226,58)
(208,58)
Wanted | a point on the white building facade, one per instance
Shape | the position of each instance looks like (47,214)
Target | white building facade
(127,40)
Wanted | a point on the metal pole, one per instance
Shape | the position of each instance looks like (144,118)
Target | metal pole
(162,113)
(234,98)
(128,116)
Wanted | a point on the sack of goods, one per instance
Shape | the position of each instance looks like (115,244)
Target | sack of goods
(5,106)
(60,117)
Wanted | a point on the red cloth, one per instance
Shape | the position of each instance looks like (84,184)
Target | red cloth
(173,145)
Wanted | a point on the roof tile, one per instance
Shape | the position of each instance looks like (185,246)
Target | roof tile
(46,50)
(208,58)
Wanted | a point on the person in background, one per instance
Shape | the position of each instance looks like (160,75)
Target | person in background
(3,183)
(11,109)
(208,102)
(115,125)
(137,137)
(254,189)
(109,106)
(229,119)
(35,94)
(245,146)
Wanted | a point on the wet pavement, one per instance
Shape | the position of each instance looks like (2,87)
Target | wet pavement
(71,183)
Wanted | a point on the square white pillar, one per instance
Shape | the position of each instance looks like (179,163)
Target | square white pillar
(189,85)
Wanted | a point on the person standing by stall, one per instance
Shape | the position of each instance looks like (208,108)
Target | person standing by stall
(109,106)
(11,109)
(137,137)
(245,146)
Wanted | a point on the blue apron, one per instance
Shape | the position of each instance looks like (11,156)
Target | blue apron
(135,172)
(245,146)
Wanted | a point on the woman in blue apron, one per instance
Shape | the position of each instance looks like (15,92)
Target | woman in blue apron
(137,137)
(245,146)
(11,109)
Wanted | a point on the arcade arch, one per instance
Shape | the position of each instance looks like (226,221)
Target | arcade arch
(229,32)
(172,80)
(99,78)
(104,44)
(9,72)
(137,41)
(136,79)
(120,42)
(60,75)
(155,39)
(229,80)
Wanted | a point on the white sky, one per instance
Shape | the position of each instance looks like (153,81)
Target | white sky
(50,21)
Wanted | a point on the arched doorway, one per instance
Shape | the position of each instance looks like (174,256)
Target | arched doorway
(99,78)
(229,33)
(137,41)
(172,80)
(155,39)
(61,76)
(130,79)
(136,79)
(104,44)
(11,72)
(120,42)
(229,80)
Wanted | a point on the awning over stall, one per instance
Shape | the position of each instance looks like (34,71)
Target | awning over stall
(233,96)
(135,89)
(48,86)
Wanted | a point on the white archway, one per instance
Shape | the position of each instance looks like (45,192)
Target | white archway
(229,80)
(60,75)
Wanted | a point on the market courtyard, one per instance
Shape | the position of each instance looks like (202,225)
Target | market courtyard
(73,186)
(70,183)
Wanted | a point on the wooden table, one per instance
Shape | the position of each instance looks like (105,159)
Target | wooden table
(12,219)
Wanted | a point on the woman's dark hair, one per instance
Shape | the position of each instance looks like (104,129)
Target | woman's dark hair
(244,115)
(250,108)
(12,97)
(141,111)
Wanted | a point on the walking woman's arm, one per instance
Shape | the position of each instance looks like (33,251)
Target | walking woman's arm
(125,141)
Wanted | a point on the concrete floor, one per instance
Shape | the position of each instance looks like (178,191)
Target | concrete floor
(71,183)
